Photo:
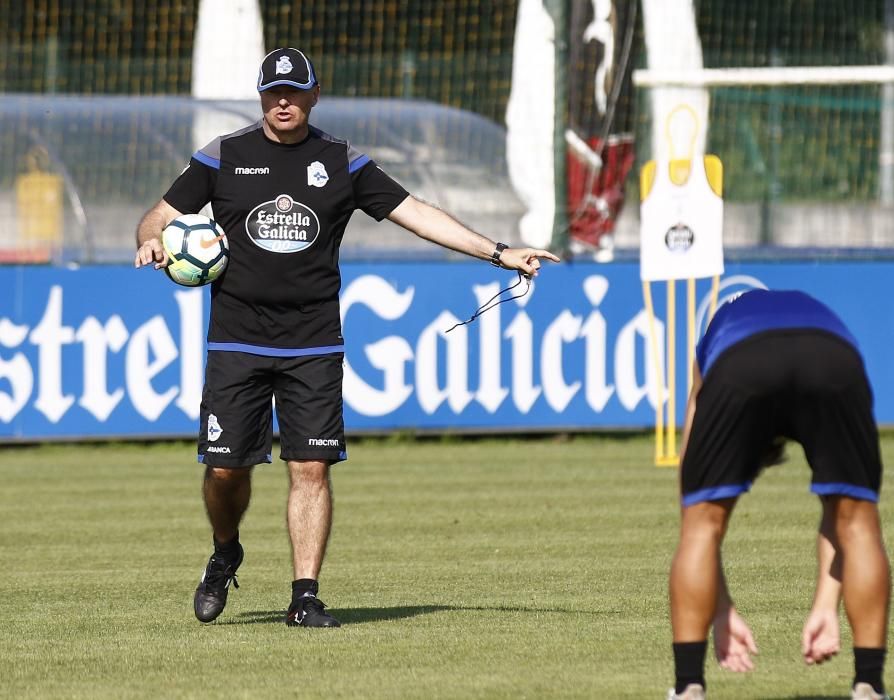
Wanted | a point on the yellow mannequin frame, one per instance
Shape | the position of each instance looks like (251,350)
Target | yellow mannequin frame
(666,454)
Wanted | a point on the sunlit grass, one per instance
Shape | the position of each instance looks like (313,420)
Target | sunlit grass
(462,568)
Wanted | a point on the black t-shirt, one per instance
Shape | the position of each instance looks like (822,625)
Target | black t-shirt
(284,208)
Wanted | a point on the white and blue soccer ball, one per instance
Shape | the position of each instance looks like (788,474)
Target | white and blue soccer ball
(197,250)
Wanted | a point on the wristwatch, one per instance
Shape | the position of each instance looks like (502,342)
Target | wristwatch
(495,256)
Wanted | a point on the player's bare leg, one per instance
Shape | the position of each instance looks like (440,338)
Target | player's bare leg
(865,575)
(309,520)
(227,493)
(694,584)
(866,586)
(693,579)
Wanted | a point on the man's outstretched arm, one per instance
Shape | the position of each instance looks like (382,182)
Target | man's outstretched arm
(437,226)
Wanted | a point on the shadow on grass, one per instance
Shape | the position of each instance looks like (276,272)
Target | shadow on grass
(348,616)
(811,697)
(358,616)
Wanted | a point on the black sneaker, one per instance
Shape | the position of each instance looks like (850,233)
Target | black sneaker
(211,594)
(309,612)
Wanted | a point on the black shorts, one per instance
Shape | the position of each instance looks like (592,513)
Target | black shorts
(236,420)
(804,385)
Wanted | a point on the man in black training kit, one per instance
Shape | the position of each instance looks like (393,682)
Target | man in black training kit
(777,365)
(284,191)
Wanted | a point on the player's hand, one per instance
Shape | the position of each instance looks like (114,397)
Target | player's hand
(525,260)
(152,251)
(733,642)
(821,639)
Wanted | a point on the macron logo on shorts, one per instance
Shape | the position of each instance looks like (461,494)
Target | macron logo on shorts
(322,442)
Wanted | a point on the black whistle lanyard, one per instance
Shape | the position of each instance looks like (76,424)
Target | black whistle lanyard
(495,300)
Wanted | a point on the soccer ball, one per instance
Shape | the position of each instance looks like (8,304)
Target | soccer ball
(197,249)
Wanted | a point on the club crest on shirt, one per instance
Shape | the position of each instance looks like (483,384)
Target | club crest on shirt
(282,225)
(316,174)
(679,238)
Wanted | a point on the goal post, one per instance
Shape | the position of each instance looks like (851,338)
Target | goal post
(767,77)
(812,149)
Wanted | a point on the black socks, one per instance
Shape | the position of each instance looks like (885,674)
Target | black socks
(228,550)
(689,664)
(868,666)
(303,587)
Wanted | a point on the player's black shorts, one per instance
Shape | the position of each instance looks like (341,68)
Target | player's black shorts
(805,385)
(236,420)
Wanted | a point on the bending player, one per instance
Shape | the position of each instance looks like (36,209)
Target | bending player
(776,365)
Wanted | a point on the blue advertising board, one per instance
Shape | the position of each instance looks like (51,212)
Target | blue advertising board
(109,351)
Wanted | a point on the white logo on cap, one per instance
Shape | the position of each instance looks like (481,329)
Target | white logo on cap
(316,174)
(283,65)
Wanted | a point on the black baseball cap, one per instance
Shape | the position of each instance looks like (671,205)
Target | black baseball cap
(286,67)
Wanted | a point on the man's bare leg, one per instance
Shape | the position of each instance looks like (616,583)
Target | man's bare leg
(227,493)
(309,521)
(309,516)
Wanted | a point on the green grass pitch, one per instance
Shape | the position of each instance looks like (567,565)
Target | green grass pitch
(461,568)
